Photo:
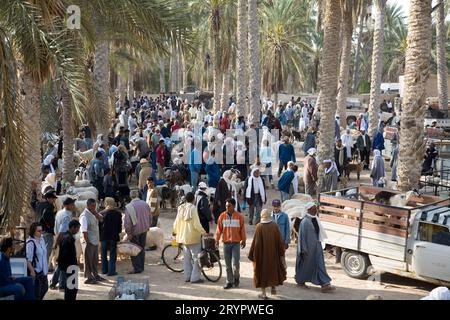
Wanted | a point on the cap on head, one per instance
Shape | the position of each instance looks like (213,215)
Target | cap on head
(50,195)
(202,185)
(276,203)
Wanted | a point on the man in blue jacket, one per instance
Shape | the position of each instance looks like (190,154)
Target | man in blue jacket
(282,220)
(21,288)
(286,153)
(285,182)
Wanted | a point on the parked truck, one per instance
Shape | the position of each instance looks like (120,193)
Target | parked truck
(411,240)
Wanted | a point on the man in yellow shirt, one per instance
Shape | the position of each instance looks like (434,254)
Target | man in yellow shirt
(188,231)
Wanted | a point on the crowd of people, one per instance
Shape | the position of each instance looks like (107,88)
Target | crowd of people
(218,151)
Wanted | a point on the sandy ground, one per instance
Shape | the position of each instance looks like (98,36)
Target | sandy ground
(165,284)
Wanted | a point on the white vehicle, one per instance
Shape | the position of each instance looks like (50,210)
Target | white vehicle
(412,240)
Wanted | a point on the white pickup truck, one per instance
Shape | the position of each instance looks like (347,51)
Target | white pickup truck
(411,241)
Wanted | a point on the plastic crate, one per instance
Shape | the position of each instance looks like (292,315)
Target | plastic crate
(139,287)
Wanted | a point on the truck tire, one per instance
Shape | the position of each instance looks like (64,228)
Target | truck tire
(355,264)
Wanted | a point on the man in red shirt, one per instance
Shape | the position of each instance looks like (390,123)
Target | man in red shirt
(160,159)
(175,126)
(224,123)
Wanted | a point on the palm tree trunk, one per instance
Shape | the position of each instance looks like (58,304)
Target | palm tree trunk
(417,64)
(355,79)
(162,75)
(68,166)
(347,32)
(173,70)
(255,74)
(180,69)
(242,56)
(131,83)
(377,60)
(184,82)
(101,86)
(442,73)
(327,95)
(30,94)
(225,89)
(216,72)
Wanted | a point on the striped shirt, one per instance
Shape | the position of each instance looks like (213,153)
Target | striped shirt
(152,201)
(231,228)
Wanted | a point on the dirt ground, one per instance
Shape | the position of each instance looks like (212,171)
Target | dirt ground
(165,284)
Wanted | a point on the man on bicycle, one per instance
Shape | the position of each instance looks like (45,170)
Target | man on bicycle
(188,231)
(231,224)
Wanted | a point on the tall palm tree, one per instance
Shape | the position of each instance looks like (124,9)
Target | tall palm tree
(162,75)
(350,12)
(329,76)
(284,44)
(412,142)
(377,60)
(442,72)
(255,74)
(242,58)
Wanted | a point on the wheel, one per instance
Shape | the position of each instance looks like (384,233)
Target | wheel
(355,264)
(172,257)
(212,271)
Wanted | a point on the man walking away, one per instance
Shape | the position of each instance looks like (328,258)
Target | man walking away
(109,236)
(310,173)
(310,263)
(286,153)
(255,195)
(231,227)
(91,238)
(137,222)
(68,257)
(203,208)
(188,231)
(364,144)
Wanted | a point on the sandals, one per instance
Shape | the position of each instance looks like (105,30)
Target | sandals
(302,285)
(327,288)
(264,297)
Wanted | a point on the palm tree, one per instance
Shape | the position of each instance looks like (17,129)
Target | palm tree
(255,74)
(242,58)
(329,76)
(377,60)
(355,78)
(350,12)
(284,44)
(412,142)
(442,73)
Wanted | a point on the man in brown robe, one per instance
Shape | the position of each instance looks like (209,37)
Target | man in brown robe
(310,172)
(266,253)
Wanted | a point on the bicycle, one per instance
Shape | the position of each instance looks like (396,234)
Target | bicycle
(172,257)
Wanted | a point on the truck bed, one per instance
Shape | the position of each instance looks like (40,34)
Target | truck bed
(372,228)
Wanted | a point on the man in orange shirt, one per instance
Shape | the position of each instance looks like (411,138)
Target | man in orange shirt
(232,228)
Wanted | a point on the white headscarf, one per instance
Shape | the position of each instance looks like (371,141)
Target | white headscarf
(333,166)
(251,181)
(311,151)
(322,233)
(50,181)
(376,154)
(227,175)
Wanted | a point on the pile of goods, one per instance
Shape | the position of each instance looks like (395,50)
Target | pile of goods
(131,289)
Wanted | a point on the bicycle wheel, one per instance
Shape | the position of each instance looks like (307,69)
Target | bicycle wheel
(212,270)
(172,257)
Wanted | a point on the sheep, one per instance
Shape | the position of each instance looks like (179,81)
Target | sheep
(85,195)
(155,237)
(186,188)
(84,156)
(82,183)
(74,190)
